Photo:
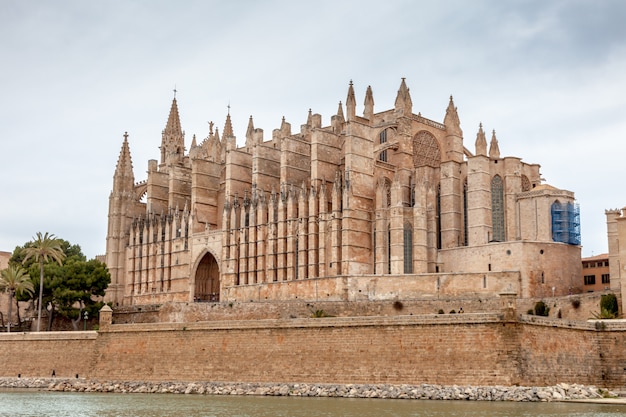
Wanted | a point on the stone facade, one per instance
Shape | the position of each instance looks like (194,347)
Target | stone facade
(385,205)
(616,233)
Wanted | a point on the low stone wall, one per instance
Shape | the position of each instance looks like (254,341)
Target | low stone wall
(377,287)
(559,392)
(194,312)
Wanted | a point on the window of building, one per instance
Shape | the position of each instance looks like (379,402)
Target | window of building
(465,227)
(408,249)
(438,217)
(383,139)
(606,279)
(497,209)
(389,249)
(590,279)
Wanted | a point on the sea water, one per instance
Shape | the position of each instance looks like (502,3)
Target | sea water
(31,403)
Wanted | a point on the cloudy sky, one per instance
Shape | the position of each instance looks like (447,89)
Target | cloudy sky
(548,76)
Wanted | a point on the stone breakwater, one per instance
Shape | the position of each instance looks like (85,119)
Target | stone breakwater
(560,392)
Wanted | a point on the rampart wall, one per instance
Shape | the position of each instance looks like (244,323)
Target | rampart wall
(462,349)
(38,354)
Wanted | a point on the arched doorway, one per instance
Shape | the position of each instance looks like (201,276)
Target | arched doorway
(207,280)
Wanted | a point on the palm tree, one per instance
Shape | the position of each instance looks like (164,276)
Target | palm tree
(15,280)
(42,249)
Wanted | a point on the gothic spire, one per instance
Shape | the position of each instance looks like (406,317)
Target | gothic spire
(403,99)
(250,132)
(340,112)
(228,126)
(481,142)
(451,120)
(351,103)
(173,137)
(494,150)
(124,179)
(368,113)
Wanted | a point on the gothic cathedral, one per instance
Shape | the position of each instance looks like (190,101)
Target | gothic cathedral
(387,205)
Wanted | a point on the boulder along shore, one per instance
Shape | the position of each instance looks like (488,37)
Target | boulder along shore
(559,392)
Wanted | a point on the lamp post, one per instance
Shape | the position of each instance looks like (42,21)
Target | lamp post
(86,316)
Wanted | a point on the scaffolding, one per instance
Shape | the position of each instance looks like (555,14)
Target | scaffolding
(566,223)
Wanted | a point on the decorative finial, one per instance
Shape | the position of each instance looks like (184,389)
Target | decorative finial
(125,135)
(175,91)
(228,107)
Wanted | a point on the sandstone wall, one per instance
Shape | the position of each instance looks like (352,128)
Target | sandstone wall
(463,349)
(436,349)
(560,350)
(37,354)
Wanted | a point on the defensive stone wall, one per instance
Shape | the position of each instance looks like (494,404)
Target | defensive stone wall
(39,354)
(448,349)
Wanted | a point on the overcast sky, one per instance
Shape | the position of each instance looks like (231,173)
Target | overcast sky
(548,76)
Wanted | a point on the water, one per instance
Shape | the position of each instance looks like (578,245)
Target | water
(53,404)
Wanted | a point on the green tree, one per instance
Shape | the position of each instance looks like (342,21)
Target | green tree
(609,303)
(72,288)
(15,280)
(43,249)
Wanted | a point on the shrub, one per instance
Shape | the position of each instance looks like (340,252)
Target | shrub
(452,312)
(530,312)
(541,309)
(319,314)
(608,302)
(441,311)
(397,305)
(576,303)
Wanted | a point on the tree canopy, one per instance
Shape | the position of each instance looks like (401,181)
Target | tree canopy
(15,280)
(71,288)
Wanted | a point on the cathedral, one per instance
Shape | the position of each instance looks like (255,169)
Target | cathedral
(389,205)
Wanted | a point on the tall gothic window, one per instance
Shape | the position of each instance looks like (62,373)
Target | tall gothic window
(374,245)
(525,183)
(465,227)
(389,249)
(382,137)
(388,192)
(408,248)
(438,214)
(497,209)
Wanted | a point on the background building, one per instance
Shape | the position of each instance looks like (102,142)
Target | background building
(596,276)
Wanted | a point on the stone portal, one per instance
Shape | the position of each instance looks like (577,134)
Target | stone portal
(207,280)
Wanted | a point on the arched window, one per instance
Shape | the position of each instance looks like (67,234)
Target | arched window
(382,138)
(408,248)
(426,150)
(497,209)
